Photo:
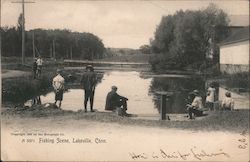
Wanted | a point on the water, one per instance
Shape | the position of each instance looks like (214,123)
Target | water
(141,90)
(129,84)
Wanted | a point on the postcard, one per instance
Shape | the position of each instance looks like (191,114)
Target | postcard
(127,80)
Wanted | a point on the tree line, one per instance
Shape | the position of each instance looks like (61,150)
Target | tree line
(66,43)
(189,39)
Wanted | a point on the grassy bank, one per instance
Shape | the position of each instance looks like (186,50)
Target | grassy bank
(234,121)
(19,90)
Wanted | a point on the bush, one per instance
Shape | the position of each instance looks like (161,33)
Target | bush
(19,90)
(161,62)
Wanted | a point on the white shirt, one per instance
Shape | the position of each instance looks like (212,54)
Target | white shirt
(58,82)
(228,102)
(197,102)
(39,62)
(210,97)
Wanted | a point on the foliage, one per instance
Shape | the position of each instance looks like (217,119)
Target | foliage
(189,37)
(145,49)
(82,45)
(18,90)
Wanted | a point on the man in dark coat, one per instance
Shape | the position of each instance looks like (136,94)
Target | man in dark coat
(114,100)
(89,81)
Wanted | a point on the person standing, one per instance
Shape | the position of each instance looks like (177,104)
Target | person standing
(114,101)
(88,82)
(39,66)
(210,99)
(34,67)
(58,85)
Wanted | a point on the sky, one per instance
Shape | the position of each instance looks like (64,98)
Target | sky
(118,23)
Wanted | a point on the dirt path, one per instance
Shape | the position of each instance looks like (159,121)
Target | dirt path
(114,142)
(14,73)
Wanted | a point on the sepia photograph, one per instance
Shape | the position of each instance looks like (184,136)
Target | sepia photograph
(124,80)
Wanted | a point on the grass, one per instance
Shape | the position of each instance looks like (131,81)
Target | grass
(18,90)
(233,121)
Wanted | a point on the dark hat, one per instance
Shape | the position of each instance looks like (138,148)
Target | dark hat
(89,67)
(195,92)
(58,70)
(114,87)
(228,94)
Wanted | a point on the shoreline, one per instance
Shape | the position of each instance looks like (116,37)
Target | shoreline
(232,121)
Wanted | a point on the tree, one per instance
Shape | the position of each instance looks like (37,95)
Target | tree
(83,45)
(145,49)
(188,37)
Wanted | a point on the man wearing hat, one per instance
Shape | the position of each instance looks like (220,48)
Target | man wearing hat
(196,105)
(114,100)
(58,85)
(88,82)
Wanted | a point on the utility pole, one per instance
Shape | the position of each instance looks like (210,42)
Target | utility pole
(0,28)
(51,51)
(33,43)
(54,49)
(71,52)
(23,30)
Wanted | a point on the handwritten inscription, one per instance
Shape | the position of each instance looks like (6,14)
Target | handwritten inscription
(243,140)
(162,154)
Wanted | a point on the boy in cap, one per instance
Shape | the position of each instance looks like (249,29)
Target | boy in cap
(193,109)
(88,82)
(58,85)
(228,102)
(114,100)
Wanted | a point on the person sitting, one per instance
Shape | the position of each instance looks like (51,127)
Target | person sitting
(196,105)
(115,101)
(228,102)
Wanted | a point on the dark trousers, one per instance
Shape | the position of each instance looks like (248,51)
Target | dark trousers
(192,110)
(210,105)
(34,73)
(89,95)
(123,103)
(39,71)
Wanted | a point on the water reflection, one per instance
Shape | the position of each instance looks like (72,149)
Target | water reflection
(180,88)
(140,90)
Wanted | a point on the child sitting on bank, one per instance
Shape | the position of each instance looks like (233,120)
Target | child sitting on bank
(195,108)
(228,102)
